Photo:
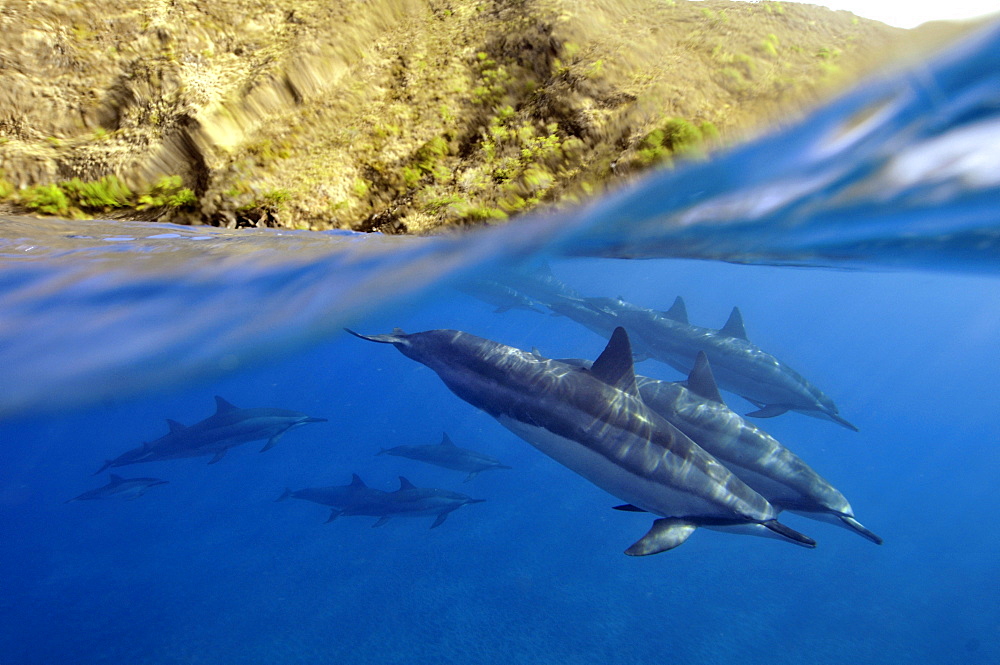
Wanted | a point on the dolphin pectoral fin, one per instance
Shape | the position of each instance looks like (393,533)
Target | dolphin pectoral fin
(382,520)
(665,534)
(629,508)
(860,528)
(768,411)
(272,442)
(470,476)
(107,465)
(219,455)
(334,514)
(440,520)
(789,533)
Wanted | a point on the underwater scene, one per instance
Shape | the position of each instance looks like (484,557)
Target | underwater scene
(741,411)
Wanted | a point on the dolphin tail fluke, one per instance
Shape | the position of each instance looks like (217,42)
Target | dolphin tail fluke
(789,533)
(394,338)
(665,534)
(860,528)
(287,493)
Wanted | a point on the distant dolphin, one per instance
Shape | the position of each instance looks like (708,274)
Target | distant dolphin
(739,366)
(408,501)
(788,483)
(229,426)
(337,497)
(594,422)
(448,455)
(121,488)
(501,296)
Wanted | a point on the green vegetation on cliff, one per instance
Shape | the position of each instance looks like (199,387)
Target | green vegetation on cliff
(402,116)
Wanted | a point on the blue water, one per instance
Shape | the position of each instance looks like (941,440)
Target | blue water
(108,329)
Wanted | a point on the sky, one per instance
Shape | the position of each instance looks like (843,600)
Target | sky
(911,13)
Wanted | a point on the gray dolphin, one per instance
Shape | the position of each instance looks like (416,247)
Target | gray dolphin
(120,488)
(594,422)
(775,472)
(448,455)
(337,497)
(229,426)
(740,366)
(501,296)
(408,501)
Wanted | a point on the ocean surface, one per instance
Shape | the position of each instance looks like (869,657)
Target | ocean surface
(862,247)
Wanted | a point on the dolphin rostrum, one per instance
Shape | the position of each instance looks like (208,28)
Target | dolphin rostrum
(775,472)
(740,366)
(448,455)
(121,488)
(229,426)
(407,501)
(594,422)
(337,497)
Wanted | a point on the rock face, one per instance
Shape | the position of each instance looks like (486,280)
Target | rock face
(392,115)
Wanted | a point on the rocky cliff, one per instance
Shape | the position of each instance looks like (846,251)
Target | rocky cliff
(391,115)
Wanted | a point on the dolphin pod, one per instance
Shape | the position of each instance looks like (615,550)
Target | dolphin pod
(696,408)
(740,366)
(594,422)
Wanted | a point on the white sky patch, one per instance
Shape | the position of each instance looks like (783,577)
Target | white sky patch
(911,13)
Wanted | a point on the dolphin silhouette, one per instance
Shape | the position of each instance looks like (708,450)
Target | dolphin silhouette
(448,455)
(229,426)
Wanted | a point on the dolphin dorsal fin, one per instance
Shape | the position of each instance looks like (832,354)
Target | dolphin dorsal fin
(446,441)
(678,311)
(405,484)
(701,381)
(174,426)
(222,406)
(116,478)
(356,481)
(734,325)
(614,365)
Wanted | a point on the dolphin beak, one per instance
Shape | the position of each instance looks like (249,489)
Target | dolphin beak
(843,423)
(860,528)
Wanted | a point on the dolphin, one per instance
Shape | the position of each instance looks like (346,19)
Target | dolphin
(120,488)
(229,426)
(501,296)
(696,408)
(740,366)
(448,455)
(408,501)
(594,422)
(337,497)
